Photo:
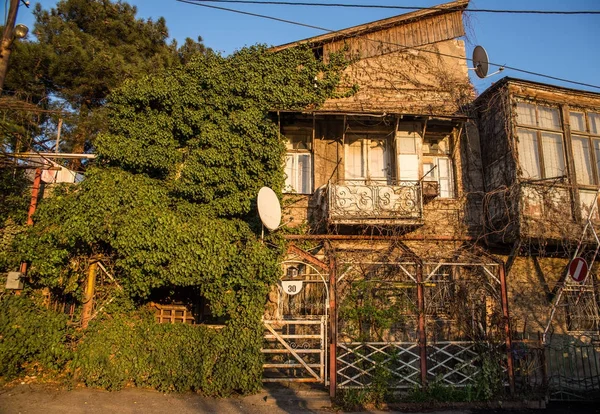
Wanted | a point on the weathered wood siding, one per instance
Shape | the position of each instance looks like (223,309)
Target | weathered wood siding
(397,38)
(414,81)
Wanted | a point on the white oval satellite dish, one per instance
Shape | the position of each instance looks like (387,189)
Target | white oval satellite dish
(481,62)
(269,208)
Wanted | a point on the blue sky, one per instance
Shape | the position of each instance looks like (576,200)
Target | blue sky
(558,45)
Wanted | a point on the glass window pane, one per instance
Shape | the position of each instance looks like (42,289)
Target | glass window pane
(554,159)
(583,159)
(586,198)
(304,174)
(594,123)
(354,163)
(549,117)
(407,144)
(577,121)
(445,178)
(526,114)
(409,167)
(289,173)
(529,159)
(596,144)
(428,168)
(378,161)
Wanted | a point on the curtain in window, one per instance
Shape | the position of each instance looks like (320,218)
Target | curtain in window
(549,117)
(298,173)
(594,123)
(445,178)
(528,153)
(378,159)
(304,174)
(289,173)
(526,114)
(583,160)
(409,167)
(577,121)
(554,159)
(354,163)
(586,198)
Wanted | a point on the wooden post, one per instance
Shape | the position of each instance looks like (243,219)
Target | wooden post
(507,333)
(88,296)
(422,332)
(7,39)
(332,324)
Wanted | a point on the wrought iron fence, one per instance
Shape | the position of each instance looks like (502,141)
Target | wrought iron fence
(350,201)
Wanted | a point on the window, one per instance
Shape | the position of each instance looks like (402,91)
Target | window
(585,139)
(440,170)
(586,146)
(540,141)
(367,159)
(298,164)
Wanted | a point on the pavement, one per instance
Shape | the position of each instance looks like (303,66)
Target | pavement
(35,398)
(273,399)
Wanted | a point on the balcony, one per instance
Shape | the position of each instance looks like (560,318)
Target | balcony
(375,202)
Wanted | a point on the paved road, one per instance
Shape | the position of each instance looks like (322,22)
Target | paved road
(43,399)
(36,399)
(46,399)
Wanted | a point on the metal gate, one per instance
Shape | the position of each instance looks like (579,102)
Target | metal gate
(295,350)
(295,337)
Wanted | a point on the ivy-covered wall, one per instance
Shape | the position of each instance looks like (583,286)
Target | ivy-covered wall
(170,203)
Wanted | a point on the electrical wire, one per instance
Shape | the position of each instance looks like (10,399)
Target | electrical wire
(403,47)
(375,6)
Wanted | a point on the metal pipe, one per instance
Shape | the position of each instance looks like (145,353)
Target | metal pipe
(375,237)
(35,190)
(422,332)
(53,155)
(507,333)
(332,323)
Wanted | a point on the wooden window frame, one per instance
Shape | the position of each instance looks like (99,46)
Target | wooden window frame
(539,132)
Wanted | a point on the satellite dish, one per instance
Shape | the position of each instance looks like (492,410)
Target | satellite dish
(481,61)
(269,208)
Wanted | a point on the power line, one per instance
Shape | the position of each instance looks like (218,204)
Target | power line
(196,3)
(256,15)
(375,6)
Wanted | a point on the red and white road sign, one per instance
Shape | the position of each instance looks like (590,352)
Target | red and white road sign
(578,269)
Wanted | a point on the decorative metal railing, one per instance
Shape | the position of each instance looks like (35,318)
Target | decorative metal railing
(359,363)
(353,201)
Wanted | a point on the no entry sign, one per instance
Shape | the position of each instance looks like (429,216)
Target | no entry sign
(578,269)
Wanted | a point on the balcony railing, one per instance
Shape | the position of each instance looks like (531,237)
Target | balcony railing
(357,202)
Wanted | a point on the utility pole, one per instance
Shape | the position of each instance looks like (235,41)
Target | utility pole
(7,39)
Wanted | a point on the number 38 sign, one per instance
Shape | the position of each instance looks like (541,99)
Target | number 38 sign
(291,287)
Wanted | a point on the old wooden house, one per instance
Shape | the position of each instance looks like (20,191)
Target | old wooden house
(540,147)
(384,265)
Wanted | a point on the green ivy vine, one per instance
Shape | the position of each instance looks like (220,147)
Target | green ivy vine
(171,203)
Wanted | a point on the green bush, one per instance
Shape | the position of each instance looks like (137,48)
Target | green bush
(29,333)
(132,349)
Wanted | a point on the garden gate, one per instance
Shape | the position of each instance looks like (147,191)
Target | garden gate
(295,339)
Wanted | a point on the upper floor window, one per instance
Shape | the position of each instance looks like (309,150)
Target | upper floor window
(298,164)
(367,158)
(540,141)
(585,137)
(440,170)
